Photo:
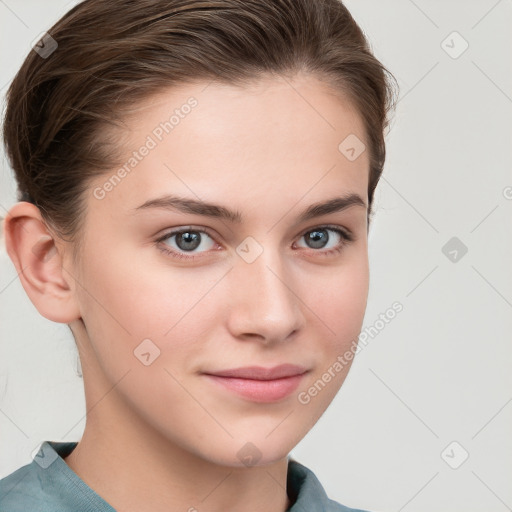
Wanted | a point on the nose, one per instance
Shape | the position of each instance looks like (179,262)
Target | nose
(265,302)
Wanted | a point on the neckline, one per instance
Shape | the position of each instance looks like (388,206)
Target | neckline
(301,483)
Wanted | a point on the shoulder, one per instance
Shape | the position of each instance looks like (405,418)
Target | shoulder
(20,491)
(308,494)
(47,484)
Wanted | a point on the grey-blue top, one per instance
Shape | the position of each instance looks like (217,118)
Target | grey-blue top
(48,484)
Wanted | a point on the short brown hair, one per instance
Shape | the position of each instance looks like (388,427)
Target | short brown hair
(114,53)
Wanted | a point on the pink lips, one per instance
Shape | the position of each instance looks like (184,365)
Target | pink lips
(261,384)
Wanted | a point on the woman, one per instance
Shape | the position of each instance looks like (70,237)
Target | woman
(196,182)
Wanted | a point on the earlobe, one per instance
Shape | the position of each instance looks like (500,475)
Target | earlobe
(39,263)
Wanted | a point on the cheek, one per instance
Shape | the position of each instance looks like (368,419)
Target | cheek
(126,301)
(339,305)
(339,298)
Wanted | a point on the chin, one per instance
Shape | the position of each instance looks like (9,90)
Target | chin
(246,453)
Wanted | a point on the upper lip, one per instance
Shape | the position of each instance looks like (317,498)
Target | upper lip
(261,373)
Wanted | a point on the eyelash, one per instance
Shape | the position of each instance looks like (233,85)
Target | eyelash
(346,238)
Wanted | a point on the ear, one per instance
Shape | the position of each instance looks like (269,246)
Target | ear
(38,259)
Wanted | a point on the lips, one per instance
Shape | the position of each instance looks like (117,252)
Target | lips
(261,373)
(259,384)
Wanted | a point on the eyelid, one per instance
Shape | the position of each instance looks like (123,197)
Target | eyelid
(174,231)
(335,227)
(182,229)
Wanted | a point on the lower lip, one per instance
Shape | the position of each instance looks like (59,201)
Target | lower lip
(260,390)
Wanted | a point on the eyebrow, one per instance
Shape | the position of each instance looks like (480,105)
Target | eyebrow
(198,207)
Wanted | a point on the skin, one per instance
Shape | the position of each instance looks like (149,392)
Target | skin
(268,151)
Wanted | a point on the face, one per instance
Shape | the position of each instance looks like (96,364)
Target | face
(176,293)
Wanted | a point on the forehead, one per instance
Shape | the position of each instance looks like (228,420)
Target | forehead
(214,140)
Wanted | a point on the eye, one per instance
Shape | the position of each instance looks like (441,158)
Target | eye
(183,243)
(319,238)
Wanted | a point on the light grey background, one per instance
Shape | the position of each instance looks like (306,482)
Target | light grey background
(439,372)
